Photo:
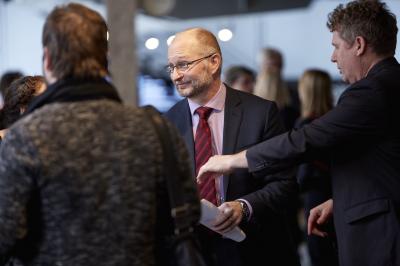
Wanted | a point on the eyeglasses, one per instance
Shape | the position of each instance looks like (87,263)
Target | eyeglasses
(184,66)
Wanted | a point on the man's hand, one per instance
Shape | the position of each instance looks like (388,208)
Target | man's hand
(222,164)
(318,216)
(231,215)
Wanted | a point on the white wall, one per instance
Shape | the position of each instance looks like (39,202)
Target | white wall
(301,34)
(20,35)
(21,24)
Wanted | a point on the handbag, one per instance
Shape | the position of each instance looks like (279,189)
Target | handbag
(185,246)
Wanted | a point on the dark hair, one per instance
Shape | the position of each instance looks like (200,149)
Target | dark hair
(370,19)
(234,72)
(76,39)
(17,97)
(7,79)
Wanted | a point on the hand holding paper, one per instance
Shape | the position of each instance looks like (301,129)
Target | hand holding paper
(211,215)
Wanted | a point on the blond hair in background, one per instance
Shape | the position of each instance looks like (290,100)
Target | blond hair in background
(315,93)
(270,86)
(269,82)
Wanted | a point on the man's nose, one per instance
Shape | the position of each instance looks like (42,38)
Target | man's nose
(175,74)
(333,57)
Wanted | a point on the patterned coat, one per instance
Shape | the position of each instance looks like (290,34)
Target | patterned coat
(81,183)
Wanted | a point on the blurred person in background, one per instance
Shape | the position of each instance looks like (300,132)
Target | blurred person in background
(7,78)
(17,98)
(5,81)
(271,86)
(240,78)
(314,178)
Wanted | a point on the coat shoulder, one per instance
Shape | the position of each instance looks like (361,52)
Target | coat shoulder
(250,101)
(177,109)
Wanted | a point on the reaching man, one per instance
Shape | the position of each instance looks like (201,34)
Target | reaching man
(362,135)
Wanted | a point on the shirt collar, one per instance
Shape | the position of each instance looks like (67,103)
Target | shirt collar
(217,102)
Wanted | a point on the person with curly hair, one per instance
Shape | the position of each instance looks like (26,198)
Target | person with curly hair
(7,78)
(360,135)
(17,98)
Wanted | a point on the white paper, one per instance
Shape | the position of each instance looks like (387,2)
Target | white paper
(209,212)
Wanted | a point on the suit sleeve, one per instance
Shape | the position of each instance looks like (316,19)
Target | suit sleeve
(358,116)
(278,190)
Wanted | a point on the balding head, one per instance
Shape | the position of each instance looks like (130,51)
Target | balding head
(194,64)
(202,38)
(197,42)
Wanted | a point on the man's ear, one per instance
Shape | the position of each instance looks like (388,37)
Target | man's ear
(361,45)
(216,62)
(47,66)
(46,60)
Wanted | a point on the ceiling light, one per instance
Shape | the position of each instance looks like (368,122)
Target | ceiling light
(225,35)
(152,43)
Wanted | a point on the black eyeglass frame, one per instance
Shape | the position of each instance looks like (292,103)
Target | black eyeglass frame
(184,66)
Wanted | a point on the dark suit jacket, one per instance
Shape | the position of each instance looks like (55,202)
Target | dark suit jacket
(249,120)
(363,135)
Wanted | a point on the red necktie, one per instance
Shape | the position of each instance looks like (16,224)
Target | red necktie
(203,151)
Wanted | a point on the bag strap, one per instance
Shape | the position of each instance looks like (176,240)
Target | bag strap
(180,209)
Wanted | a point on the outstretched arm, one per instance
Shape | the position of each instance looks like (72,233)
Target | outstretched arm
(223,164)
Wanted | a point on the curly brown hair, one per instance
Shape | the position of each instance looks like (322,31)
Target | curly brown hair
(370,19)
(17,97)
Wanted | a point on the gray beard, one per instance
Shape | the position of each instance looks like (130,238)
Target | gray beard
(197,90)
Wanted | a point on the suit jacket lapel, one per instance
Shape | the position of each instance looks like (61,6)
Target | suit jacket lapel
(232,121)
(187,133)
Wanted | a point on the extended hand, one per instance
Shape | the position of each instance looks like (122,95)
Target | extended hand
(222,164)
(231,215)
(318,216)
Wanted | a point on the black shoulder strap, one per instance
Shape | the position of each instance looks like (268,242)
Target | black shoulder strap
(179,208)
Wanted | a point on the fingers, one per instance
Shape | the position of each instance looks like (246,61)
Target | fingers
(224,221)
(311,223)
(206,168)
(317,217)
(318,232)
(201,175)
(323,217)
(217,164)
(229,218)
(326,210)
(211,166)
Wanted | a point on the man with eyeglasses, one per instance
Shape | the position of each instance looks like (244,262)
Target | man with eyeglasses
(216,119)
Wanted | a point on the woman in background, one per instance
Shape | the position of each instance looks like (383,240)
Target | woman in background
(270,86)
(314,177)
(17,98)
